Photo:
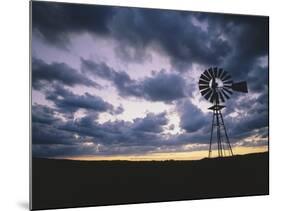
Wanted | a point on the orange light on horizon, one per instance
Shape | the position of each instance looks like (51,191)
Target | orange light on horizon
(161,156)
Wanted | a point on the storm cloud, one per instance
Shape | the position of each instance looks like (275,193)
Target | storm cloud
(43,73)
(171,32)
(161,86)
(192,118)
(69,101)
(101,108)
(55,21)
(143,132)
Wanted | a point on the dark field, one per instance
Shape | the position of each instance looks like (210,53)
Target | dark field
(65,183)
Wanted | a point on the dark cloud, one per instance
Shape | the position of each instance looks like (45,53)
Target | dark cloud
(56,21)
(52,151)
(199,137)
(151,123)
(90,150)
(140,131)
(67,101)
(164,87)
(45,127)
(171,32)
(186,37)
(192,118)
(253,122)
(248,37)
(43,114)
(258,79)
(248,123)
(161,86)
(43,73)
(114,137)
(122,81)
(49,135)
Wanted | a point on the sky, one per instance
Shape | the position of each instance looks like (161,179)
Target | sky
(122,83)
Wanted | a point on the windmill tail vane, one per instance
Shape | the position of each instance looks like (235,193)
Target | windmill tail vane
(216,86)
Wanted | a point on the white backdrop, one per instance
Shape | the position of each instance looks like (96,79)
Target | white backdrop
(14,86)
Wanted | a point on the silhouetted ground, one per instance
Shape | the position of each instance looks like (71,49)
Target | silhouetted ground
(65,183)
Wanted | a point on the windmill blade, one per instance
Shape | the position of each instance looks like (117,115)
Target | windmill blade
(211,72)
(240,87)
(220,73)
(206,72)
(226,77)
(215,71)
(208,94)
(201,87)
(227,90)
(224,94)
(228,82)
(201,82)
(221,96)
(203,92)
(224,73)
(214,97)
(204,77)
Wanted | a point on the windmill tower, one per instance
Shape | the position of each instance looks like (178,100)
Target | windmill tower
(217,86)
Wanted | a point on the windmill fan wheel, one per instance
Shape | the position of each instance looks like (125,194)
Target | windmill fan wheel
(216,85)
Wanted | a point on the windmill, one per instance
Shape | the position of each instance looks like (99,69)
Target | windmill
(216,86)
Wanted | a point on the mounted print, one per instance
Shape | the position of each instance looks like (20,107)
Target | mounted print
(136,105)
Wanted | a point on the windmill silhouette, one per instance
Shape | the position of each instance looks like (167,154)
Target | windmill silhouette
(216,86)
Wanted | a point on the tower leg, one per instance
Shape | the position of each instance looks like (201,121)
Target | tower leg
(226,136)
(211,138)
